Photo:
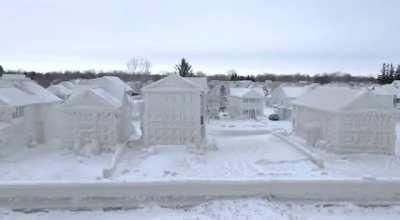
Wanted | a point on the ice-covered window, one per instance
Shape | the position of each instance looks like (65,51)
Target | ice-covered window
(19,112)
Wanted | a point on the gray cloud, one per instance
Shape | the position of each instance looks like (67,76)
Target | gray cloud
(252,36)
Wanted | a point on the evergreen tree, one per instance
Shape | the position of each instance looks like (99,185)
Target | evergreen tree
(1,70)
(233,76)
(397,73)
(184,68)
(382,76)
(391,73)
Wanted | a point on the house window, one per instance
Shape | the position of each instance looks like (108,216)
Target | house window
(19,112)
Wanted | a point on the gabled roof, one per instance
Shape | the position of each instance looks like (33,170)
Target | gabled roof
(294,92)
(115,81)
(337,98)
(25,92)
(172,83)
(387,90)
(67,84)
(113,85)
(41,94)
(246,92)
(59,90)
(201,82)
(14,97)
(92,97)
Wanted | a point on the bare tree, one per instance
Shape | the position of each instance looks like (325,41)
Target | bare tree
(146,66)
(132,65)
(138,65)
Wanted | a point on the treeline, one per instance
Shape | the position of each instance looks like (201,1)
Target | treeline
(388,73)
(323,78)
(49,78)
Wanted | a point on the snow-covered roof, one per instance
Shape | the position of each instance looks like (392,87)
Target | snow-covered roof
(115,81)
(113,85)
(14,97)
(67,84)
(172,82)
(241,83)
(13,77)
(246,92)
(294,92)
(84,96)
(60,91)
(387,90)
(200,82)
(339,98)
(107,96)
(26,92)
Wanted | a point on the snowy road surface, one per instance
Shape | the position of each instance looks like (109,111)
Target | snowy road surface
(189,192)
(250,209)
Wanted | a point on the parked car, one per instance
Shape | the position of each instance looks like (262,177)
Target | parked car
(273,117)
(224,115)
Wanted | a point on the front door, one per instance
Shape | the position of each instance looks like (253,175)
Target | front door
(252,114)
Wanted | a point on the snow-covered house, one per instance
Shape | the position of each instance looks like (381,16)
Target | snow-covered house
(217,97)
(97,113)
(392,90)
(241,84)
(346,120)
(174,112)
(246,103)
(284,95)
(24,107)
(93,116)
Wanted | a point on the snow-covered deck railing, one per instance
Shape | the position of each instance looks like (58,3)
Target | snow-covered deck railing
(131,194)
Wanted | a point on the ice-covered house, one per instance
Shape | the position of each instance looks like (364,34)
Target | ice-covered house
(392,90)
(346,120)
(284,95)
(246,103)
(241,84)
(217,97)
(97,113)
(174,112)
(24,107)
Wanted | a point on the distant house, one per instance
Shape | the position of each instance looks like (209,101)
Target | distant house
(98,112)
(392,90)
(24,107)
(246,103)
(217,97)
(346,120)
(241,84)
(284,95)
(174,112)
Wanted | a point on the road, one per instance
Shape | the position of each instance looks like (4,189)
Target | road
(180,193)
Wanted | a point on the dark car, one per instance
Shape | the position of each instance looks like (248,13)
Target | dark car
(273,117)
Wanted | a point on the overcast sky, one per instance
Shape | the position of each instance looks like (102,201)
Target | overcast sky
(250,36)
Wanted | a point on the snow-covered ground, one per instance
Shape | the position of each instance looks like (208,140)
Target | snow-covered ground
(223,209)
(237,157)
(47,163)
(246,150)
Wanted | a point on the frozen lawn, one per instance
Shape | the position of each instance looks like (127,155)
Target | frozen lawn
(224,209)
(362,165)
(45,163)
(246,150)
(238,157)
